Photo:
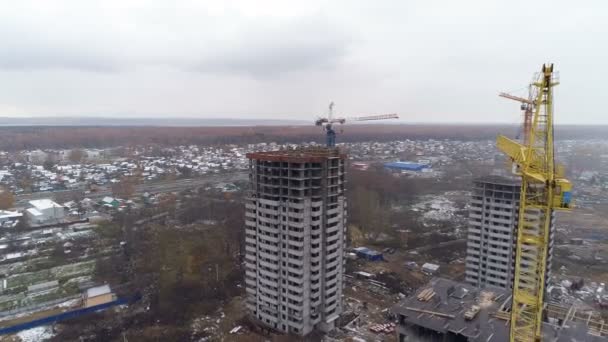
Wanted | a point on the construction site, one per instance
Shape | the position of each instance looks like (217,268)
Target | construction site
(375,249)
(301,276)
(445,310)
(303,171)
(510,247)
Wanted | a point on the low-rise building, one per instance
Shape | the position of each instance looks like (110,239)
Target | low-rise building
(44,211)
(98,295)
(429,268)
(110,202)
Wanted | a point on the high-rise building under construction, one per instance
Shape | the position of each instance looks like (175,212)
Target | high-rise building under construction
(492,232)
(295,238)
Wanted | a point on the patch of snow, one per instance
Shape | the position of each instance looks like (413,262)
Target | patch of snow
(438,208)
(69,303)
(36,334)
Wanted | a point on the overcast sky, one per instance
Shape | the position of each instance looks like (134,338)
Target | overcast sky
(429,61)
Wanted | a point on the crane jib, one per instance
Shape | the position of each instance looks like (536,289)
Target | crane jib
(327,123)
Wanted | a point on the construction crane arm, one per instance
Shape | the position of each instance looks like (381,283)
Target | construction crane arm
(519,155)
(513,149)
(328,122)
(374,117)
(322,121)
(516,98)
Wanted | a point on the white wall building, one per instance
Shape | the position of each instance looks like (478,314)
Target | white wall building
(295,238)
(44,211)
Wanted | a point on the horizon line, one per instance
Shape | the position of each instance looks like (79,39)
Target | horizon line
(8,121)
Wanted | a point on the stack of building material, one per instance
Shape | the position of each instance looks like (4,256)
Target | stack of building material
(471,312)
(426,294)
(387,328)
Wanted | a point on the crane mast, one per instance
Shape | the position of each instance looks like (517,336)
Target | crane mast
(543,190)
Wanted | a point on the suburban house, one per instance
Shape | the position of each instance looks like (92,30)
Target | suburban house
(110,202)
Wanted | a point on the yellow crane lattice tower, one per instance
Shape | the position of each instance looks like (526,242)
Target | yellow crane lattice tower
(543,190)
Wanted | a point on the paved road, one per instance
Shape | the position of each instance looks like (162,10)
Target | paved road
(154,187)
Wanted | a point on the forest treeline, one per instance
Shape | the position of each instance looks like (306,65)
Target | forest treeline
(57,137)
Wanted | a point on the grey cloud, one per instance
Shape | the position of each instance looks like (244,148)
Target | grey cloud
(269,60)
(268,51)
(36,58)
(259,49)
(24,50)
(427,60)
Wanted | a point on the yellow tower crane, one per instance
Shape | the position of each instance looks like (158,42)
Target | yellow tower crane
(543,190)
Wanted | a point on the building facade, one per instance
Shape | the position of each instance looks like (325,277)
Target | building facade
(295,238)
(492,232)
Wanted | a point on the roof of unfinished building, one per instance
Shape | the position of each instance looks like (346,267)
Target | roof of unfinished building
(299,155)
(501,180)
(453,299)
(443,310)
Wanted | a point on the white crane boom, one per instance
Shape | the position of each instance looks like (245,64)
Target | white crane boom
(516,98)
(374,117)
(360,118)
(328,121)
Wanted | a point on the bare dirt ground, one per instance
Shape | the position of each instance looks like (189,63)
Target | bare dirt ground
(590,224)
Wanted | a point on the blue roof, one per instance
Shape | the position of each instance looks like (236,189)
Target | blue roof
(406,166)
(367,251)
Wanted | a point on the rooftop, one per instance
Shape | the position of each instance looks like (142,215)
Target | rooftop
(405,165)
(98,291)
(460,310)
(298,155)
(43,204)
(441,305)
(34,212)
(9,214)
(501,180)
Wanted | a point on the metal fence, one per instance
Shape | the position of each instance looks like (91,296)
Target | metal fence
(37,306)
(66,315)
